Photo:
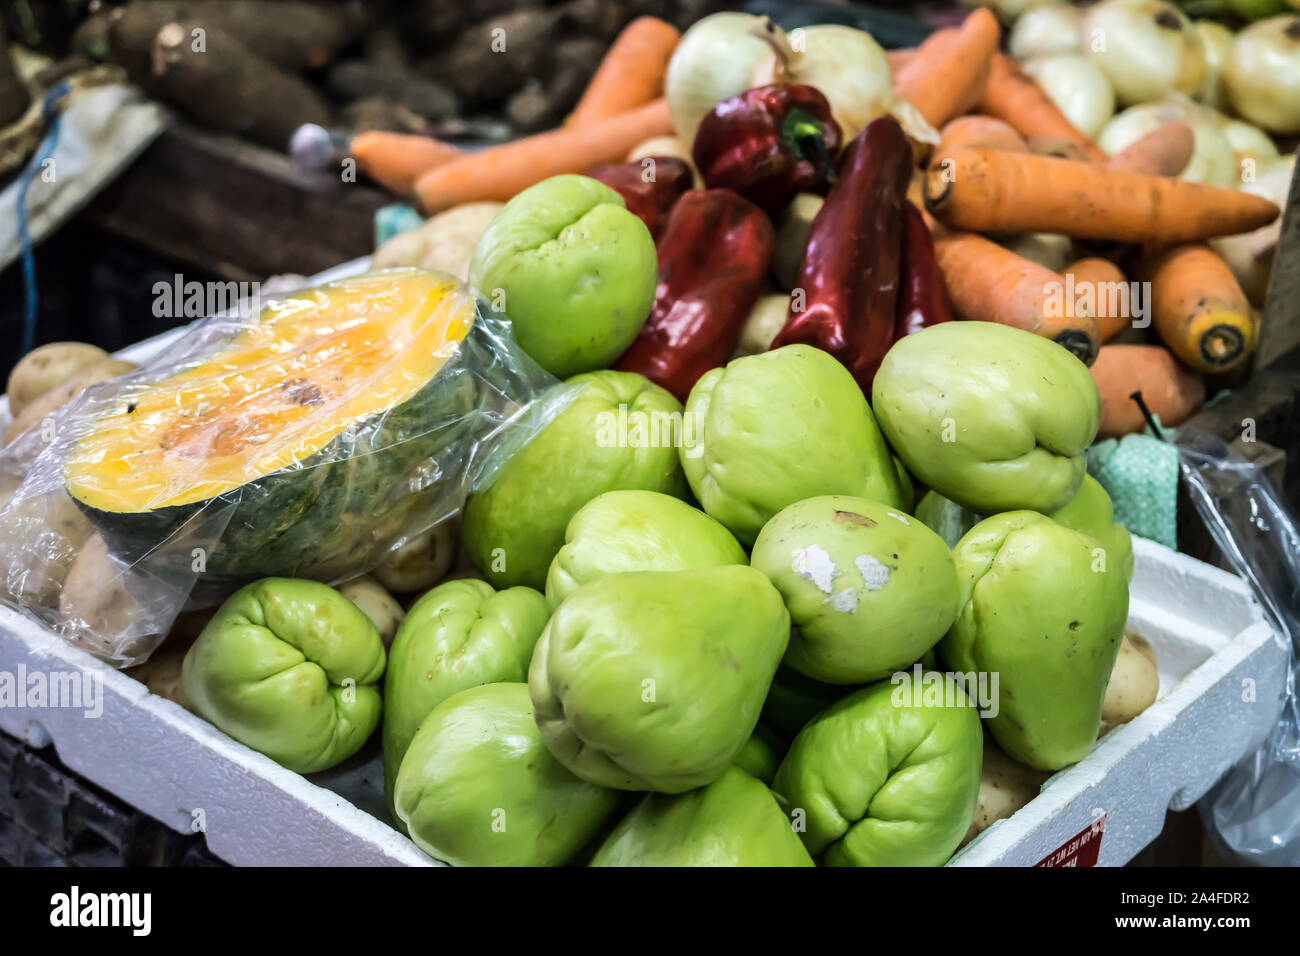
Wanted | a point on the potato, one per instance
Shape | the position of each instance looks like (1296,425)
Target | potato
(445,243)
(765,320)
(792,229)
(1005,787)
(161,673)
(61,394)
(63,532)
(377,604)
(667,146)
(421,562)
(96,607)
(1134,683)
(47,367)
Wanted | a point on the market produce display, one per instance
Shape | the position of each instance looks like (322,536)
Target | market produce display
(792,556)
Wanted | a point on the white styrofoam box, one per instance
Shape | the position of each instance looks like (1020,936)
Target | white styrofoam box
(1207,632)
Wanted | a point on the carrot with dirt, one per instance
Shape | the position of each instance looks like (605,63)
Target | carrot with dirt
(1101,283)
(1198,309)
(1015,97)
(979,132)
(1168,388)
(632,72)
(397,160)
(502,171)
(1165,151)
(987,190)
(989,283)
(948,72)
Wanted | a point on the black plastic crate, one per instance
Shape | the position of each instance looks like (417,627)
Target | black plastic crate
(49,816)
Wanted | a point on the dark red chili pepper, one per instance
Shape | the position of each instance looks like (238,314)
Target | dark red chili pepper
(844,300)
(715,250)
(649,186)
(768,144)
(922,295)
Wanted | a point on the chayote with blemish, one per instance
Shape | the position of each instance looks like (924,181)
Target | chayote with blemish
(869,588)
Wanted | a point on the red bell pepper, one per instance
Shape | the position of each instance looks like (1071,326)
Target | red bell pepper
(922,295)
(714,254)
(649,186)
(768,144)
(844,300)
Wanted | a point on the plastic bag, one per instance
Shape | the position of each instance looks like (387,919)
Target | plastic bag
(1253,813)
(309,438)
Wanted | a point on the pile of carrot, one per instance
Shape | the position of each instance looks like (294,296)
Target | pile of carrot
(621,107)
(1010,162)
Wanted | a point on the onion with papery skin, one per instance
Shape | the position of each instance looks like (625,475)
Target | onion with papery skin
(1216,43)
(1250,255)
(1146,48)
(1078,88)
(1047,31)
(717,58)
(1010,11)
(1249,142)
(1212,158)
(1263,74)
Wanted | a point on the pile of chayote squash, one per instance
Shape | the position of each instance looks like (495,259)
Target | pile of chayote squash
(734,643)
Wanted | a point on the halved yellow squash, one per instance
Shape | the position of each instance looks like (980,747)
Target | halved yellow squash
(294,447)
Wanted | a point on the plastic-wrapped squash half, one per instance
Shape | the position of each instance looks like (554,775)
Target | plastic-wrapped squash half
(305,444)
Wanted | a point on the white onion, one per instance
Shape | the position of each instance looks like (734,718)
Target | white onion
(1044,31)
(1146,48)
(1248,142)
(1048,249)
(1078,88)
(717,58)
(1263,74)
(1010,11)
(1250,255)
(848,66)
(1216,43)
(1212,159)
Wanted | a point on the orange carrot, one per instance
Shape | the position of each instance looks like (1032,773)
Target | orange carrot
(632,72)
(1198,309)
(979,132)
(989,283)
(950,68)
(1107,290)
(1168,389)
(502,171)
(1015,97)
(397,160)
(990,191)
(1164,151)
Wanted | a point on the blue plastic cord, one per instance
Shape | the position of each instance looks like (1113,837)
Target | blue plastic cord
(52,120)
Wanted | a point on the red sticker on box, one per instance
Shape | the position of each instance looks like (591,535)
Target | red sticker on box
(1081,849)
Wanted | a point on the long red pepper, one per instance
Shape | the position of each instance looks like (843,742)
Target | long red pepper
(844,300)
(714,254)
(649,186)
(922,295)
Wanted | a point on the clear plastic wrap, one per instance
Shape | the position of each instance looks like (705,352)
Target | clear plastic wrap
(1253,813)
(310,439)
